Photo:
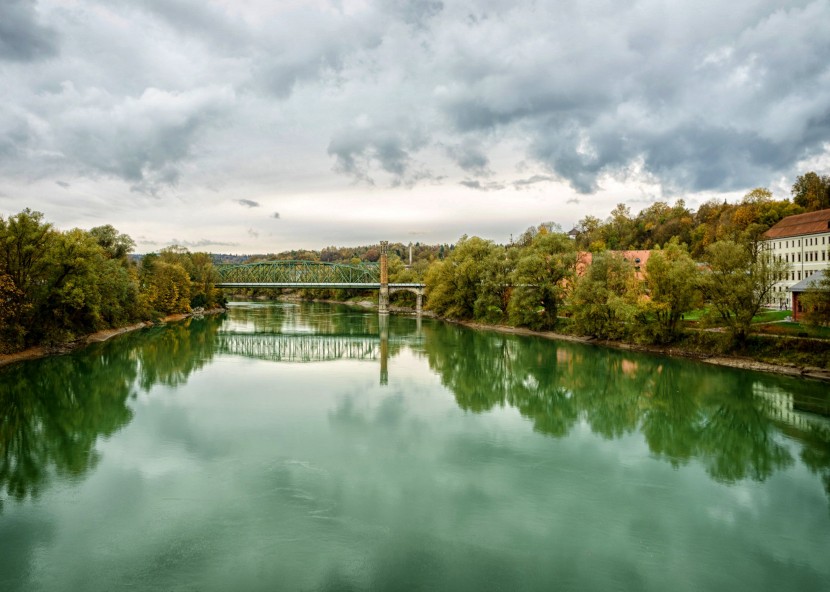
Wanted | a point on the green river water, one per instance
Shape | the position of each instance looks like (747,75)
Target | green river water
(316,447)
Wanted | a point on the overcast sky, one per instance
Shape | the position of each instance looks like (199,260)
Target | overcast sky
(263,125)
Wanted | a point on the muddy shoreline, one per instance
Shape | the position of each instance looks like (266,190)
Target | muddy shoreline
(43,351)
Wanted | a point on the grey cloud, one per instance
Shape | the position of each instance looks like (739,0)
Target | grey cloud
(689,97)
(22,38)
(479,186)
(197,244)
(361,148)
(470,157)
(253,233)
(414,12)
(728,104)
(142,140)
(533,180)
(63,184)
(248,203)
(276,215)
(197,18)
(306,45)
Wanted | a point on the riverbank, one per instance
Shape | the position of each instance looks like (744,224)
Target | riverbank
(42,351)
(708,357)
(700,351)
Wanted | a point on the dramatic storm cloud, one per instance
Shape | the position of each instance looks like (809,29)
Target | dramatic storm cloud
(361,120)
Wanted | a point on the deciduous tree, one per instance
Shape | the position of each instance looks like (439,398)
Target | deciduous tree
(672,286)
(606,296)
(739,278)
(540,280)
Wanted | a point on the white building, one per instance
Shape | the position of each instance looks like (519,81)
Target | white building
(802,241)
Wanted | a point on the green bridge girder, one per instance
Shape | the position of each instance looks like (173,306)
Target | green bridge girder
(299,272)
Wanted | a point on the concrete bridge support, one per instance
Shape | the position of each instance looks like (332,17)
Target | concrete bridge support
(383,327)
(383,294)
(419,295)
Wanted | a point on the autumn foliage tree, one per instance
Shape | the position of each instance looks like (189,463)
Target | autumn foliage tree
(812,191)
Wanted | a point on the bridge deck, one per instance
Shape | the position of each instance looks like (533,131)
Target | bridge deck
(330,285)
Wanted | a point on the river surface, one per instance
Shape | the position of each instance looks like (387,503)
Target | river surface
(316,447)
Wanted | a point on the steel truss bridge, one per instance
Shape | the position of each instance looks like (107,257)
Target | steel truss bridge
(294,347)
(294,274)
(313,274)
(284,347)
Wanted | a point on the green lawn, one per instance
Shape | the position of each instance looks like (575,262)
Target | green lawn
(694,315)
(768,316)
(794,329)
(765,316)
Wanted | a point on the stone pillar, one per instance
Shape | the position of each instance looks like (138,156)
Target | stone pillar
(419,301)
(383,294)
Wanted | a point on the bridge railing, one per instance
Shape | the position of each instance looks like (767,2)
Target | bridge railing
(298,272)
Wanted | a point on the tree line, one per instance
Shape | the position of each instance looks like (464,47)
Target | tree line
(58,285)
(537,283)
(714,256)
(714,220)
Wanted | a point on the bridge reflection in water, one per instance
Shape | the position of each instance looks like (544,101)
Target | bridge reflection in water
(316,347)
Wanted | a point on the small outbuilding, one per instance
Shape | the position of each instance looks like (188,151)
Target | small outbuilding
(798,289)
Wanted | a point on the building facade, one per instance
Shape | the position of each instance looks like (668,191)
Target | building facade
(803,243)
(799,288)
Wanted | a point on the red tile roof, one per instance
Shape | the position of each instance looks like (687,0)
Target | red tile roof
(811,223)
(637,258)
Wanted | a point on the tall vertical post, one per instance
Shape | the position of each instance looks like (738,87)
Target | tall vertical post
(419,301)
(383,295)
(383,328)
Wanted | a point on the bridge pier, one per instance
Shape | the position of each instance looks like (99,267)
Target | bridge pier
(383,293)
(383,326)
(419,301)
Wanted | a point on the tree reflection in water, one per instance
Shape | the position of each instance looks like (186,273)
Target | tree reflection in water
(685,412)
(52,411)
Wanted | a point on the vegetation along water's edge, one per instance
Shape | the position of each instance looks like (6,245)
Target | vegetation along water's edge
(674,350)
(707,347)
(42,351)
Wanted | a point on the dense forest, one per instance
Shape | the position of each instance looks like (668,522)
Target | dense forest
(56,286)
